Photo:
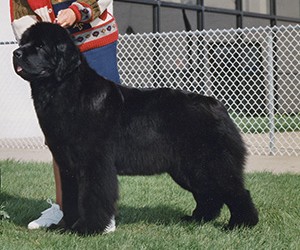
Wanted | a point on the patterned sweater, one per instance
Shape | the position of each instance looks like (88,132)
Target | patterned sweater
(94,26)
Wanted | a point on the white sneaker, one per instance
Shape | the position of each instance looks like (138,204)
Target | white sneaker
(50,216)
(111,226)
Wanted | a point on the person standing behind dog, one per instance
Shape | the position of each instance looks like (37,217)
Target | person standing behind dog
(95,33)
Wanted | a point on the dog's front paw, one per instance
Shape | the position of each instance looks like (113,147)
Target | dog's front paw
(82,227)
(111,227)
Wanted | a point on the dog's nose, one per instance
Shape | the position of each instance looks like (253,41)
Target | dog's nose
(18,53)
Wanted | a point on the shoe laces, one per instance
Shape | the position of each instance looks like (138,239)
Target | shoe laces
(51,210)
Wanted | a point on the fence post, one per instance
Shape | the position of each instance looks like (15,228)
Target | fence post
(270,94)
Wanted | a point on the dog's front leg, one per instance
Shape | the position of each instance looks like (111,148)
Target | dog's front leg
(97,196)
(70,197)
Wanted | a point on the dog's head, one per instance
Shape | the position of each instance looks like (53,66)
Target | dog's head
(46,51)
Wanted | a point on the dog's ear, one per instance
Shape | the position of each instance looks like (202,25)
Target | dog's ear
(68,59)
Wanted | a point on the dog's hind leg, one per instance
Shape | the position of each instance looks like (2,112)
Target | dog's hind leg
(208,200)
(242,209)
(208,206)
(235,196)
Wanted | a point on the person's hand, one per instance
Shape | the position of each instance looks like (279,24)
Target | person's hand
(65,18)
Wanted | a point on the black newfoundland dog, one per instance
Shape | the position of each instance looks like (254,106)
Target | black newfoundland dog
(96,129)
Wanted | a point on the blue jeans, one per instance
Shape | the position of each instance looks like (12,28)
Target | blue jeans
(104,61)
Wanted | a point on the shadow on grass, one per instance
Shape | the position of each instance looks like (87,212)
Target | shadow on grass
(161,214)
(23,210)
(158,215)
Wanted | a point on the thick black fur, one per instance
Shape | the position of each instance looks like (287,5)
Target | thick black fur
(96,129)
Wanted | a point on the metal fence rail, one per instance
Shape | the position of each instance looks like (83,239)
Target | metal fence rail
(254,72)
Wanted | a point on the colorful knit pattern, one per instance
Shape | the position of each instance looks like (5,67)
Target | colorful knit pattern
(82,11)
(104,35)
(92,28)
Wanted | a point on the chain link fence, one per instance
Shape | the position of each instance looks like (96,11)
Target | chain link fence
(253,71)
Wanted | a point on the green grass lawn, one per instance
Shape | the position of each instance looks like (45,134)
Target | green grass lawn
(150,209)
